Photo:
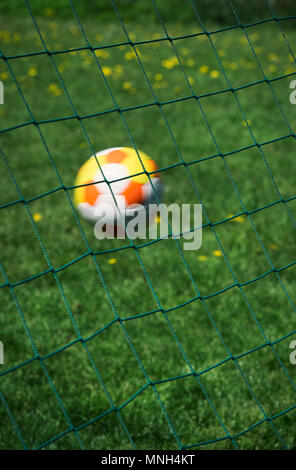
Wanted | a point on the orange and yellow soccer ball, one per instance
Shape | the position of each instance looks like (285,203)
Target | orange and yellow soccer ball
(124,172)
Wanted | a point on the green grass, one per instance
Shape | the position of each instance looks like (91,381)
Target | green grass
(231,322)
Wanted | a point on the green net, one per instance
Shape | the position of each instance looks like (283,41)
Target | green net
(128,344)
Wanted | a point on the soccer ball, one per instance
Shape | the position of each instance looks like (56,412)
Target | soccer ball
(122,169)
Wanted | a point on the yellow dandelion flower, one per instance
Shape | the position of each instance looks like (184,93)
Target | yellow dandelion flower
(272,68)
(63,66)
(190,62)
(185,51)
(5,35)
(6,39)
(258,50)
(53,26)
(170,63)
(107,71)
(49,12)
(202,257)
(118,70)
(273,57)
(217,253)
(87,62)
(214,73)
(74,29)
(254,36)
(244,123)
(232,66)
(158,77)
(191,80)
(167,64)
(112,261)
(204,69)
(102,53)
(37,217)
(3,76)
(221,53)
(54,89)
(236,219)
(16,37)
(202,38)
(32,72)
(129,55)
(127,85)
(273,246)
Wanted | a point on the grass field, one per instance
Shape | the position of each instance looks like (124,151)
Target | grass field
(121,366)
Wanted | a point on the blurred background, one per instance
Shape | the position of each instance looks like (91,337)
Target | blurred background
(217,11)
(200,356)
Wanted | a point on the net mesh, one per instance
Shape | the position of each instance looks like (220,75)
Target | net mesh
(193,96)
